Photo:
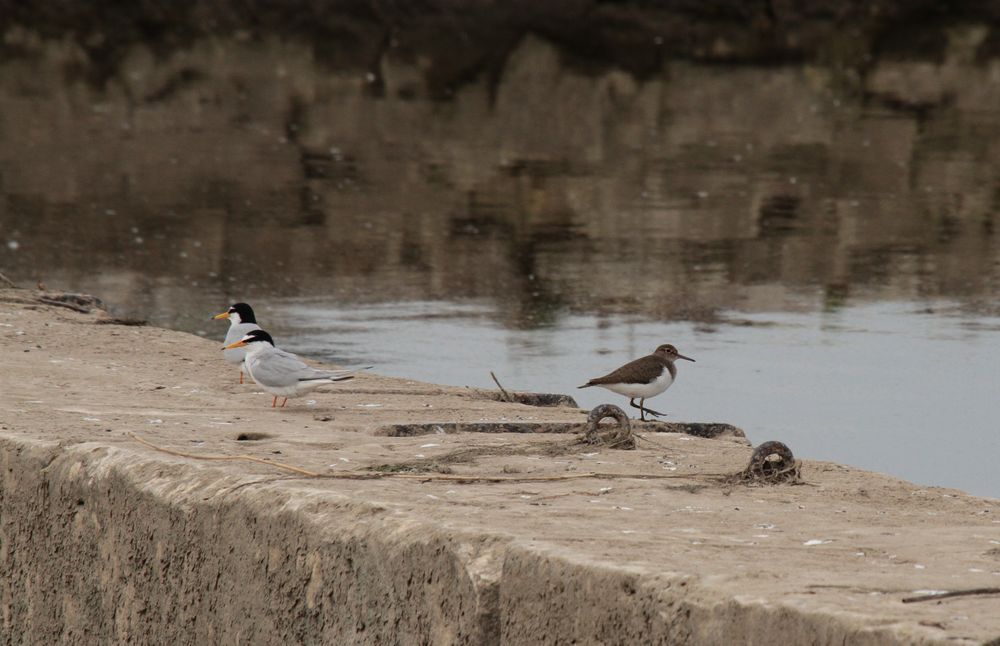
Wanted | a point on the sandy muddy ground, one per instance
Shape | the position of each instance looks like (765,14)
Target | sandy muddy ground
(837,554)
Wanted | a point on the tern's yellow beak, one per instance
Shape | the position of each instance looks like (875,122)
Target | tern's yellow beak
(238,344)
(224,315)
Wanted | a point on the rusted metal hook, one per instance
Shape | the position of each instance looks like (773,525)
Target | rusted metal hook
(619,437)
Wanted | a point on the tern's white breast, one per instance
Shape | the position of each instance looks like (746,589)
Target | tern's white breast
(236,332)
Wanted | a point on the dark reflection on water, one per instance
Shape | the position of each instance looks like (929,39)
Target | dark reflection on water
(233,169)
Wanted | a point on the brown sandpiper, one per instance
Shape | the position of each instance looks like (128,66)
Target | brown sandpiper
(643,378)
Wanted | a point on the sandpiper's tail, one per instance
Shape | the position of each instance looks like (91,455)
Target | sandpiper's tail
(588,384)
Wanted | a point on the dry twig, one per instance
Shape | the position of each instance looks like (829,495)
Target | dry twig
(248,458)
(506,395)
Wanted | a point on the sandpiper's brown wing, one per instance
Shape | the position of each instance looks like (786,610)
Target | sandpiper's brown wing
(641,371)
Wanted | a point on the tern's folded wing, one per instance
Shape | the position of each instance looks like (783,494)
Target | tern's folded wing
(279,368)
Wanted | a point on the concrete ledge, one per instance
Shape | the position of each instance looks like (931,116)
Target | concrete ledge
(546,600)
(103,545)
(523,539)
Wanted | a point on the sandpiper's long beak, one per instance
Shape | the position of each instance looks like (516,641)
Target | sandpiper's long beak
(681,356)
(224,315)
(238,344)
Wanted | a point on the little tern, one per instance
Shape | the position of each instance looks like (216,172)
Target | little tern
(282,373)
(241,322)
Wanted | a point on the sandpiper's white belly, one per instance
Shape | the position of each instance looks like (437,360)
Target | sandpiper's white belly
(643,391)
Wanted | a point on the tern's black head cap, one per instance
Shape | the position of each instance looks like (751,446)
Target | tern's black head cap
(245,312)
(258,335)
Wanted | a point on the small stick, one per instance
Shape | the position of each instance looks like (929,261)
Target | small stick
(7,281)
(506,395)
(249,458)
(948,595)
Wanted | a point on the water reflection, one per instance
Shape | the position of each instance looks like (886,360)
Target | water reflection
(239,167)
(234,169)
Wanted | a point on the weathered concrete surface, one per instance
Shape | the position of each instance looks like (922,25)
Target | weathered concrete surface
(105,545)
(104,540)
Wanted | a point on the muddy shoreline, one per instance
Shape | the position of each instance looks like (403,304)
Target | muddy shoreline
(161,548)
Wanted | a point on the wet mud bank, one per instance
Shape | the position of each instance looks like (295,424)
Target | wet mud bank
(147,497)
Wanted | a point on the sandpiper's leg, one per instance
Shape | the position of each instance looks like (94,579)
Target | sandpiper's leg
(631,402)
(650,410)
(241,376)
(284,402)
(274,402)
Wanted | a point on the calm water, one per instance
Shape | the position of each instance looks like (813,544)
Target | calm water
(824,244)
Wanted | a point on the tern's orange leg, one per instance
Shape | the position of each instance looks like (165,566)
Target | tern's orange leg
(241,376)
(274,401)
(284,402)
